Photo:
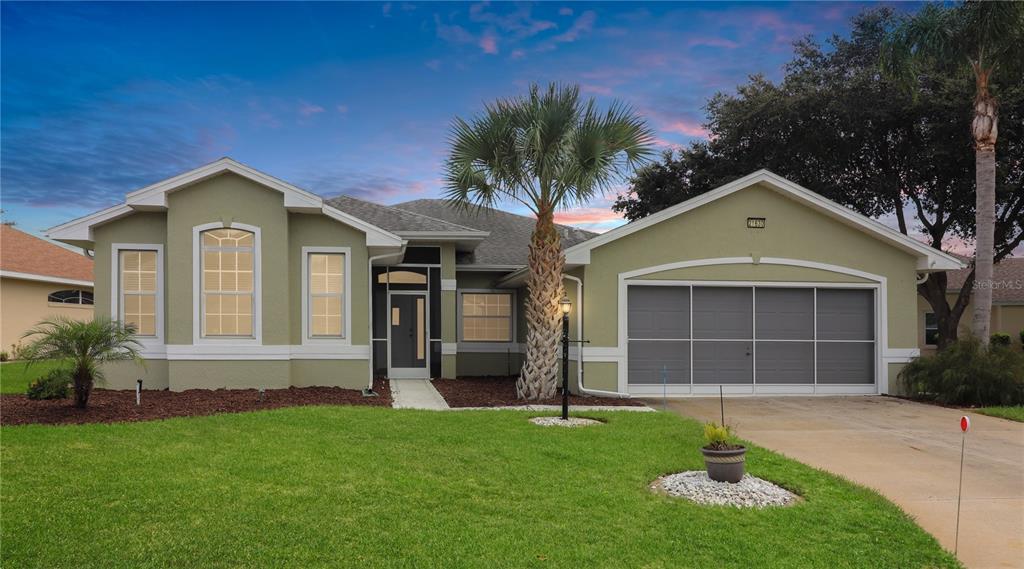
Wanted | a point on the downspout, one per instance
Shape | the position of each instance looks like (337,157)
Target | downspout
(369,307)
(579,347)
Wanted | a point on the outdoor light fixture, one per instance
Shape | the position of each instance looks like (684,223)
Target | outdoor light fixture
(566,307)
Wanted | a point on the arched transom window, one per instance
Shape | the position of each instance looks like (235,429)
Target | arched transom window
(227,282)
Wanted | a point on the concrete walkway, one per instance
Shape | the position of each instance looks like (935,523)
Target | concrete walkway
(910,452)
(416,394)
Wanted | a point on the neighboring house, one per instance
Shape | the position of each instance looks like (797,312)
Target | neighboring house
(1007,304)
(39,279)
(238,279)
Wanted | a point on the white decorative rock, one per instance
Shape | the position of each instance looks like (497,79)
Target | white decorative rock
(750,492)
(558,422)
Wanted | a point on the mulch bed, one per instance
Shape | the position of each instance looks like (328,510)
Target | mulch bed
(501,392)
(106,406)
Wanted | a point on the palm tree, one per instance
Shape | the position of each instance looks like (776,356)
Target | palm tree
(548,150)
(986,38)
(86,345)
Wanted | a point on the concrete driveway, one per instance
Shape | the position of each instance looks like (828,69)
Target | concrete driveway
(910,452)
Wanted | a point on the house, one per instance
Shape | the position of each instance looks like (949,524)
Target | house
(1007,304)
(238,279)
(39,279)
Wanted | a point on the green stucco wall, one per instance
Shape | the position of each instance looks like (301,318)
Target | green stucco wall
(149,228)
(350,374)
(123,375)
(718,229)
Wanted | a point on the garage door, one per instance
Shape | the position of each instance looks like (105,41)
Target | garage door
(752,339)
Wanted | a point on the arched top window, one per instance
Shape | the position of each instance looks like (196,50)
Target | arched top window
(402,277)
(227,287)
(70,297)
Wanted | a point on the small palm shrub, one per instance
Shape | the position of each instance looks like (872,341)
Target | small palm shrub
(4,356)
(1022,337)
(966,373)
(86,346)
(999,339)
(54,385)
(719,437)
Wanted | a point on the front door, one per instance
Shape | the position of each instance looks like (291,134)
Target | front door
(408,335)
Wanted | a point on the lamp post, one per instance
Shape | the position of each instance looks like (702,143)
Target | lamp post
(566,307)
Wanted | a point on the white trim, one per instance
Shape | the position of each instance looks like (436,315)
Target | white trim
(257,286)
(449,284)
(346,318)
(449,348)
(490,347)
(513,315)
(618,354)
(248,352)
(900,355)
(154,198)
(44,278)
(149,343)
(929,259)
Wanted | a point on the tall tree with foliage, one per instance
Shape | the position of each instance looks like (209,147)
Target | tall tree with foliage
(988,39)
(86,345)
(839,127)
(548,150)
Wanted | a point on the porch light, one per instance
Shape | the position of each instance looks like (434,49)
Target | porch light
(566,304)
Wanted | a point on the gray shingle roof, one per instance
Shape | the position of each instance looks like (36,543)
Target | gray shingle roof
(509,239)
(1008,277)
(392,219)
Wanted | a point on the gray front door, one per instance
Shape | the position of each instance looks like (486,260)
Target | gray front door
(408,322)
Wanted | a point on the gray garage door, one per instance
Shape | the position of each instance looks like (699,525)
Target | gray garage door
(717,335)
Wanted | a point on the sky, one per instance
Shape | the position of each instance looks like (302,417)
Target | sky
(98,100)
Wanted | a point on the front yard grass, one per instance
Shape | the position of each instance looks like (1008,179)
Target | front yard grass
(1011,412)
(352,486)
(15,376)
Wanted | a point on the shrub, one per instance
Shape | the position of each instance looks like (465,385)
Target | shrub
(1022,337)
(719,437)
(965,373)
(4,356)
(1000,339)
(54,385)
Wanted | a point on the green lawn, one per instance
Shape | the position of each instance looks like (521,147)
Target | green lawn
(1011,412)
(356,486)
(15,376)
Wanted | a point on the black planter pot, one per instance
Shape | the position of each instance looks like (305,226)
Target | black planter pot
(725,465)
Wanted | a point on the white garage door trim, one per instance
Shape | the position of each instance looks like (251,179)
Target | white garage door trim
(882,353)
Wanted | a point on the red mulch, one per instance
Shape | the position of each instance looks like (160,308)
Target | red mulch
(501,391)
(106,406)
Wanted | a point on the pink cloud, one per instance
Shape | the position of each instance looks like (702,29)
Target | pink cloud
(309,109)
(343,109)
(712,42)
(433,64)
(565,11)
(489,43)
(595,89)
(517,54)
(685,127)
(586,216)
(582,25)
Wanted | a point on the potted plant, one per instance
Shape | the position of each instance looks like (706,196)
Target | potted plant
(723,456)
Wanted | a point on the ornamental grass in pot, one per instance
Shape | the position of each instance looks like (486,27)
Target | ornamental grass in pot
(724,457)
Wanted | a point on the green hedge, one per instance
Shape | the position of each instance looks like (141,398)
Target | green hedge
(965,373)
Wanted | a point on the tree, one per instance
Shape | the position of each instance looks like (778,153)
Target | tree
(547,150)
(839,127)
(986,37)
(87,345)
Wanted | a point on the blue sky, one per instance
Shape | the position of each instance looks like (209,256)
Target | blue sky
(100,99)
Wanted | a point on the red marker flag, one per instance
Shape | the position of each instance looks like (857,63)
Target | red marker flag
(965,423)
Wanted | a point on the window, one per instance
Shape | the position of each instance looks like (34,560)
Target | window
(326,294)
(227,282)
(486,317)
(931,329)
(402,277)
(70,297)
(139,290)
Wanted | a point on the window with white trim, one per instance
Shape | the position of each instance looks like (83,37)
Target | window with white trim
(227,282)
(326,303)
(138,290)
(70,297)
(487,317)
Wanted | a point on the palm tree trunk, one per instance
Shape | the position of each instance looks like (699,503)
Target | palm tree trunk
(82,385)
(985,129)
(539,376)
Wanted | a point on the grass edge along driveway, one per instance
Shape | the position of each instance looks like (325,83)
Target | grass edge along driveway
(330,486)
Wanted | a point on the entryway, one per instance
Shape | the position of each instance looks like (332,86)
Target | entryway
(407,335)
